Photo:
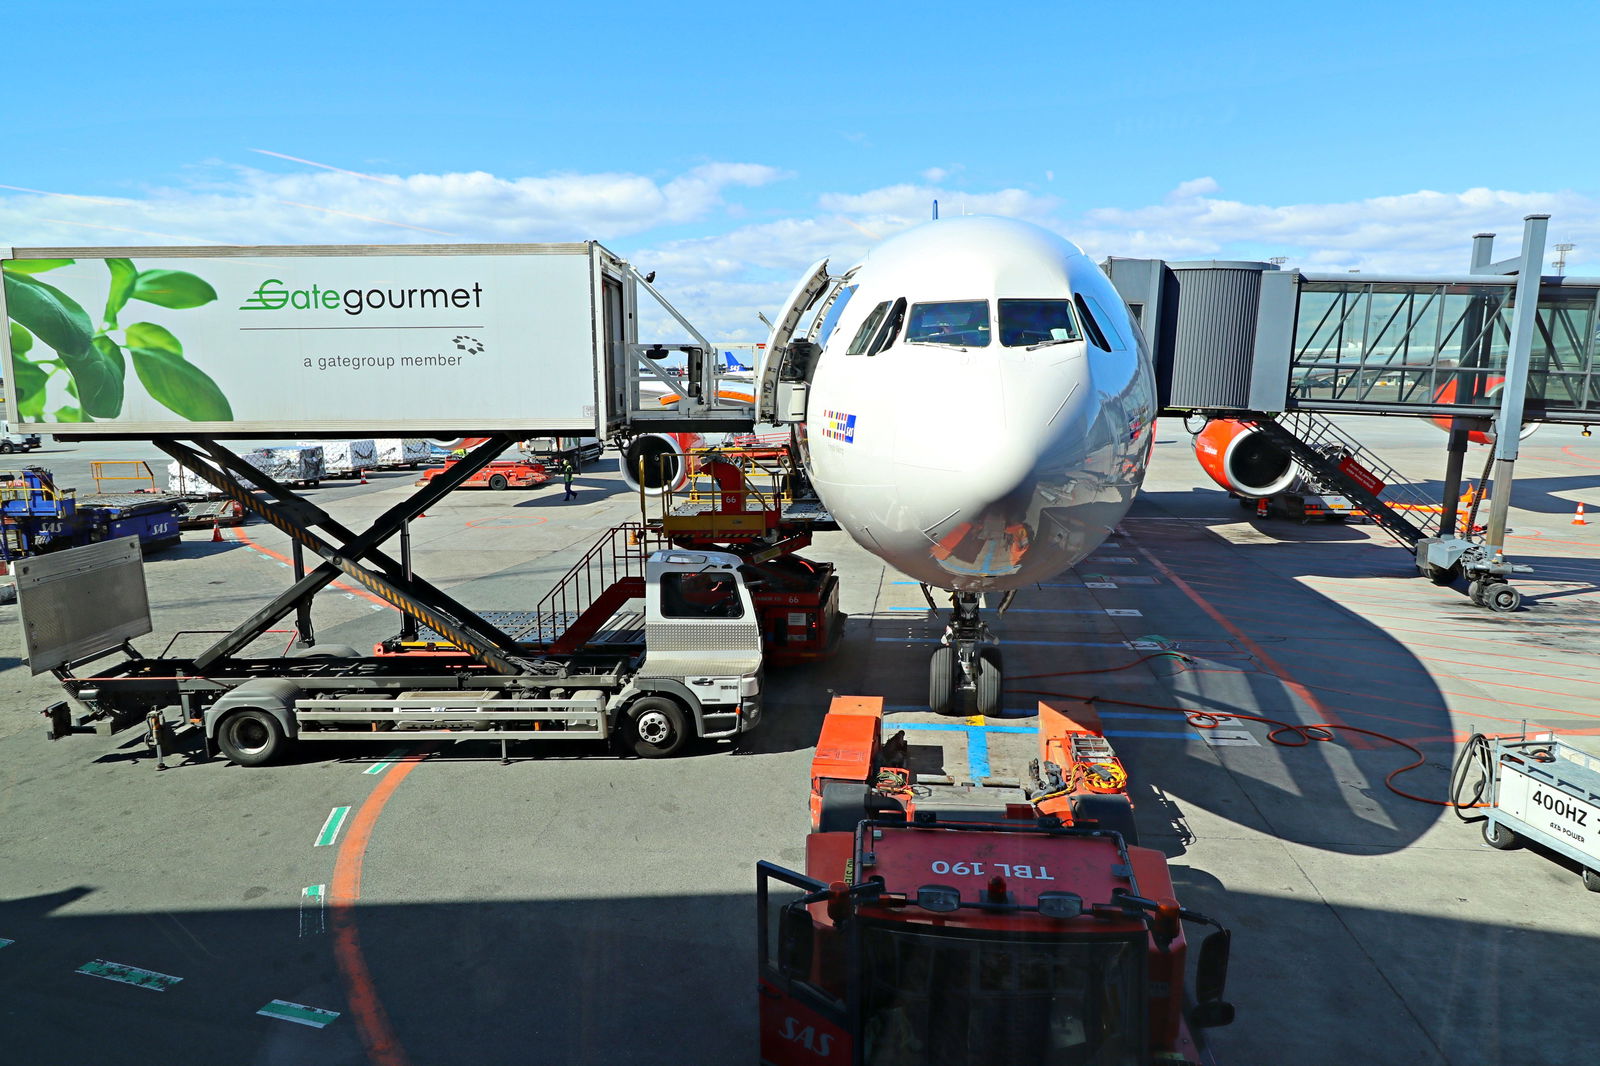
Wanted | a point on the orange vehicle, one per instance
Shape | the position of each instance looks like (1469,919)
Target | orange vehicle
(936,926)
(509,474)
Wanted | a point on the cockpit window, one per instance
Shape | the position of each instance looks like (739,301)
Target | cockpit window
(858,344)
(1096,336)
(963,323)
(1026,322)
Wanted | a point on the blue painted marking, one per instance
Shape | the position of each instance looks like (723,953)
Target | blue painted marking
(1017,643)
(977,754)
(976,730)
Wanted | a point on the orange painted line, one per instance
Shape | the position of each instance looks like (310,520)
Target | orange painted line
(252,545)
(1356,739)
(372,1020)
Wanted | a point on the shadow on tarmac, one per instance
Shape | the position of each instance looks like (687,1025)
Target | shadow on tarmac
(668,979)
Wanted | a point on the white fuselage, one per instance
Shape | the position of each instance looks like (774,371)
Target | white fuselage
(953,451)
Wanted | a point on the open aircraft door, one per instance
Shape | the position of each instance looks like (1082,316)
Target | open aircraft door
(781,396)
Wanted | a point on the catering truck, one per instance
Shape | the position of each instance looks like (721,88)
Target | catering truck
(687,666)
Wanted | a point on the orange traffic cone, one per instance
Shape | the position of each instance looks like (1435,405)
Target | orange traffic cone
(1577,517)
(363,474)
(216,531)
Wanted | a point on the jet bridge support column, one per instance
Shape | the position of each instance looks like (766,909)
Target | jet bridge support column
(1508,424)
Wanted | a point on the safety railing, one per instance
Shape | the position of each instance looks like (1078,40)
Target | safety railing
(619,553)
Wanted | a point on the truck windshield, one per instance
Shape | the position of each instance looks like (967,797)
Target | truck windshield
(937,998)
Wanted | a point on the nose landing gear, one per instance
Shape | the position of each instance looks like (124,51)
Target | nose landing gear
(969,659)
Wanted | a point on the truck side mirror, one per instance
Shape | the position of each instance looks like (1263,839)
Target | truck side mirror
(795,931)
(1210,982)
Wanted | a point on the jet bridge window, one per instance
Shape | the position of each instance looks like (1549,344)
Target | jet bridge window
(707,595)
(863,336)
(1028,322)
(960,323)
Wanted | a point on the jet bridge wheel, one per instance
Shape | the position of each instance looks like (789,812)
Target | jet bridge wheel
(988,680)
(1444,575)
(942,680)
(1502,598)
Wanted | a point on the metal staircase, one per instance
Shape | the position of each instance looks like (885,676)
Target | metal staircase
(610,573)
(1335,463)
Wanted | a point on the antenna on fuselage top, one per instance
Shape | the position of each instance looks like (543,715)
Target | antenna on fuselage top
(936,210)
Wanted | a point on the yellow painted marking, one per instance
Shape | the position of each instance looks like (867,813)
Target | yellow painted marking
(976,719)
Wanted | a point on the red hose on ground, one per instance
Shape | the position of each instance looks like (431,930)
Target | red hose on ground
(1279,734)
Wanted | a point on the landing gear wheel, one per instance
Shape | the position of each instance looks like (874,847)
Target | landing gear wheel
(1499,837)
(657,728)
(1502,598)
(942,680)
(251,737)
(987,684)
(498,482)
(1591,880)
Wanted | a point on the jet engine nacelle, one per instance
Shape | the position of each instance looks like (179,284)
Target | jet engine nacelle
(1243,460)
(1447,394)
(660,462)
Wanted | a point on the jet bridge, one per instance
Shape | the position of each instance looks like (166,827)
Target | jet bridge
(1497,346)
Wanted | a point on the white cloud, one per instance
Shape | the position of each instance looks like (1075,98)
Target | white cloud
(747,258)
(935,174)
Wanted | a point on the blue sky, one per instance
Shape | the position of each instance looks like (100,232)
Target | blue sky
(728,145)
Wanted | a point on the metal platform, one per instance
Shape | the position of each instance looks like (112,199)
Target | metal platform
(534,628)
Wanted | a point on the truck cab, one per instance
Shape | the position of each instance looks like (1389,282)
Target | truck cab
(12,441)
(702,644)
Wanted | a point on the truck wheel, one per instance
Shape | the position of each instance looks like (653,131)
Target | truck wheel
(657,728)
(1591,880)
(1498,836)
(251,737)
(6,447)
(989,679)
(942,680)
(498,482)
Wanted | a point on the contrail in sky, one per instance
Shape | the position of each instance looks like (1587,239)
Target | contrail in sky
(68,195)
(336,170)
(125,229)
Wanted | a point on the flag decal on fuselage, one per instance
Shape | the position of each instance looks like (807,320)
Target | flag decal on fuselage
(839,426)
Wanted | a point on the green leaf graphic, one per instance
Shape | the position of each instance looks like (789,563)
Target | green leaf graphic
(180,386)
(99,377)
(173,288)
(21,339)
(69,414)
(30,381)
(123,276)
(35,266)
(52,315)
(150,335)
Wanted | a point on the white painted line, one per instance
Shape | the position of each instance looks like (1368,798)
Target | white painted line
(4,943)
(331,827)
(313,914)
(128,975)
(1228,738)
(1099,585)
(1124,612)
(298,1013)
(1112,560)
